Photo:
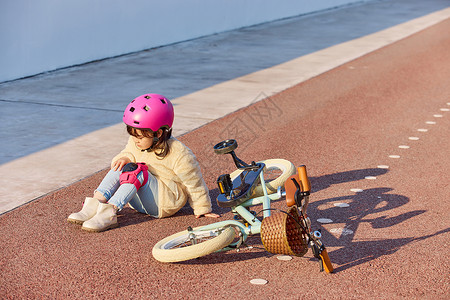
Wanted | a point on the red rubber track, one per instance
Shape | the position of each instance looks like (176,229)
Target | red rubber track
(389,243)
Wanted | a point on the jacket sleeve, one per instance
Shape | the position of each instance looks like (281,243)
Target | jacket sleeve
(126,152)
(187,168)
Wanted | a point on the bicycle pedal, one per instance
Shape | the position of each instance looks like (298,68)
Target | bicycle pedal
(225,184)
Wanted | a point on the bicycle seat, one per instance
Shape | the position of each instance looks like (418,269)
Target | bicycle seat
(243,186)
(297,188)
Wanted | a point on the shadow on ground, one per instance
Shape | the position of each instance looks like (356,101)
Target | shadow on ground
(364,207)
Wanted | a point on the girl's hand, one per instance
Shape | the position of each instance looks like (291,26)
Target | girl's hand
(120,163)
(208,215)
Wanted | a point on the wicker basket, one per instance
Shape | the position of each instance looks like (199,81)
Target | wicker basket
(281,234)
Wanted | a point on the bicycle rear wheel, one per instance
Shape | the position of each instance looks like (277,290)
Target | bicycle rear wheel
(187,245)
(276,172)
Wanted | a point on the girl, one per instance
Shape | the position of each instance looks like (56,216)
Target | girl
(155,173)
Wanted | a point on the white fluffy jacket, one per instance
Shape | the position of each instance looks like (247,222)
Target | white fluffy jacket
(178,174)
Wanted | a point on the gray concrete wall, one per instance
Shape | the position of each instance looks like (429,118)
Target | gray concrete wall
(42,35)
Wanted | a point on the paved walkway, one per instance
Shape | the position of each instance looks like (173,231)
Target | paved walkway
(66,113)
(374,133)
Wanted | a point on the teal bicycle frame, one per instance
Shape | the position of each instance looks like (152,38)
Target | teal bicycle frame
(204,240)
(253,224)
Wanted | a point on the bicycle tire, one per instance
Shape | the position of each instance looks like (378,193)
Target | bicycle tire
(163,251)
(287,168)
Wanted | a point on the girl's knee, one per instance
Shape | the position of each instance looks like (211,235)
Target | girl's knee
(131,172)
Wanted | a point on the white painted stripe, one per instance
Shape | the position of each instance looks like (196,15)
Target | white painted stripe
(258,281)
(324,220)
(342,231)
(341,204)
(284,257)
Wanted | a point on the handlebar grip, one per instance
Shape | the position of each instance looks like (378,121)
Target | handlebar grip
(304,178)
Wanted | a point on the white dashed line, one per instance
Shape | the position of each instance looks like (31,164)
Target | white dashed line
(284,257)
(342,231)
(345,231)
(258,281)
(324,220)
(341,204)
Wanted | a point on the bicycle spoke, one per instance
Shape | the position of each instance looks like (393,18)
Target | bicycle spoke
(186,242)
(271,174)
(189,243)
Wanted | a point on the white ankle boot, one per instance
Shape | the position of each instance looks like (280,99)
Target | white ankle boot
(89,210)
(105,219)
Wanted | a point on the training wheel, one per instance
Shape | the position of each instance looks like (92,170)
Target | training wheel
(225,147)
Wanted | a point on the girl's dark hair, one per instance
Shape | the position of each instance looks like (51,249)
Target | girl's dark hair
(161,146)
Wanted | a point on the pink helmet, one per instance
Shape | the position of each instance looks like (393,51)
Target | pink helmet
(149,111)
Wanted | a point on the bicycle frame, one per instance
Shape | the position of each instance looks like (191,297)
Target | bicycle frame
(235,193)
(253,224)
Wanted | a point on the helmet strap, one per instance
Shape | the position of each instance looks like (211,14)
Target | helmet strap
(155,141)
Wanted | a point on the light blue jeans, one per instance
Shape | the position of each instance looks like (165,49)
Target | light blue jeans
(144,200)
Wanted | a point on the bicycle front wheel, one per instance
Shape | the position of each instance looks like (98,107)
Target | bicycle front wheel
(188,245)
(276,172)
